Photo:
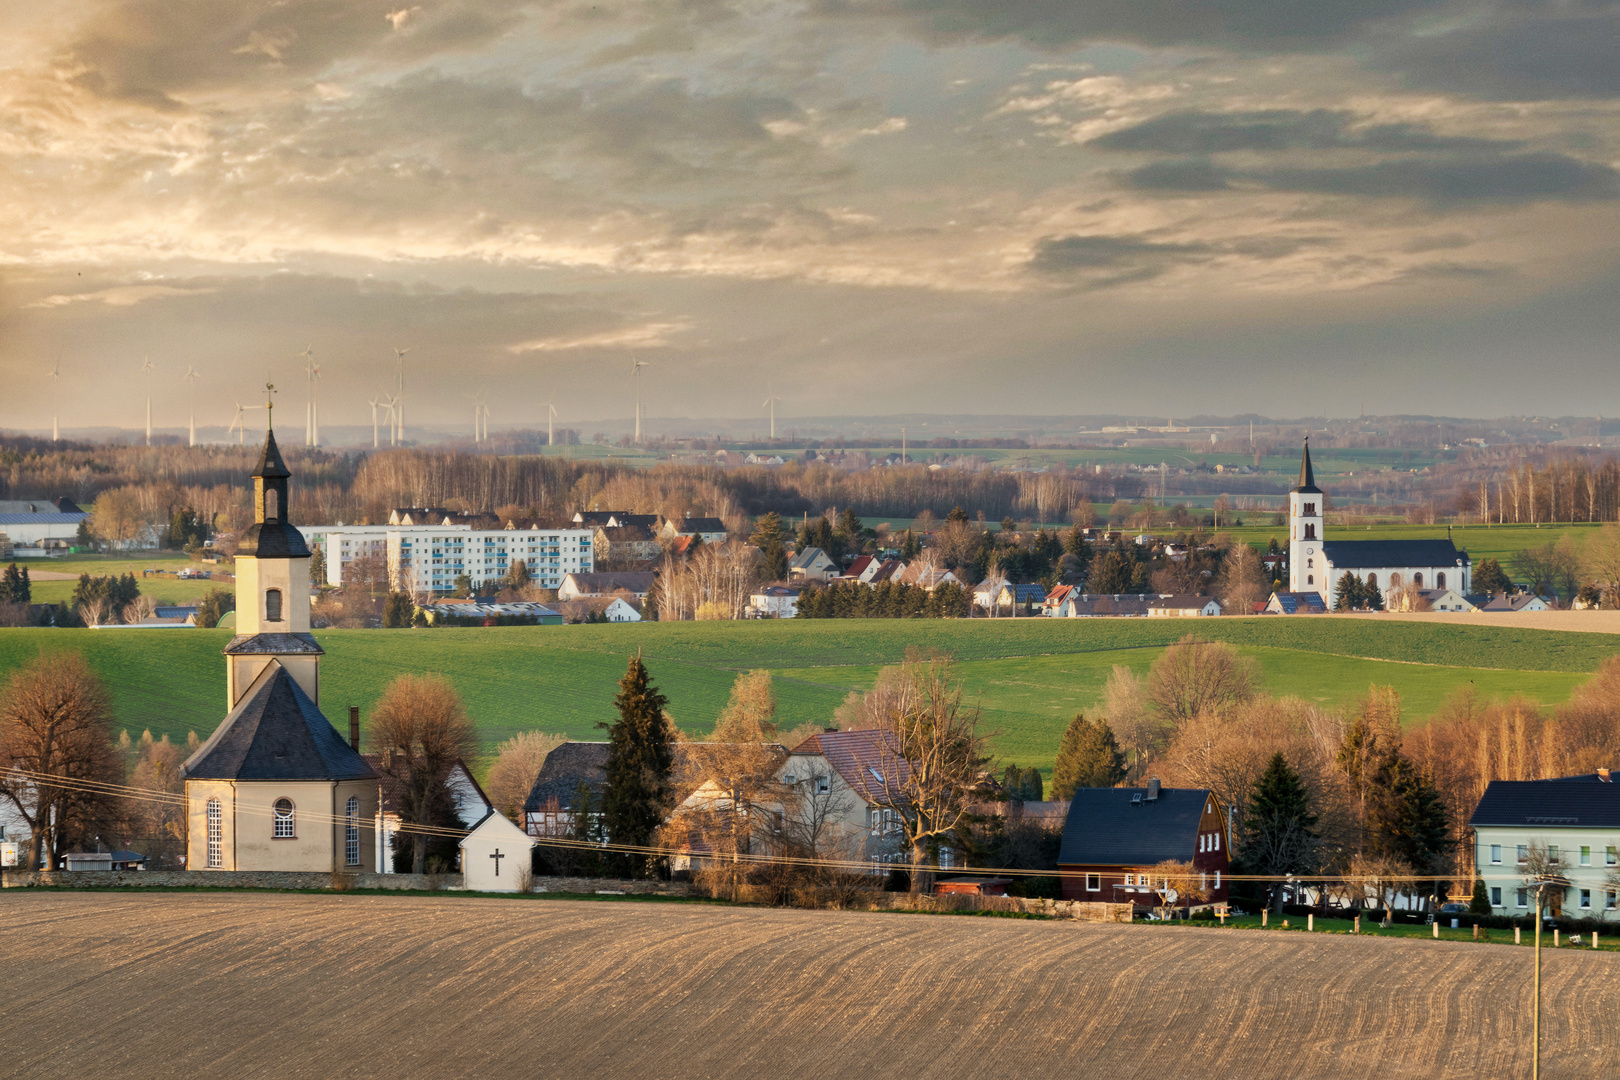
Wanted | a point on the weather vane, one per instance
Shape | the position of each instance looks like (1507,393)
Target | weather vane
(269,405)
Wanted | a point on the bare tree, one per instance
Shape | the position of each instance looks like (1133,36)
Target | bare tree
(1195,676)
(518,761)
(1243,580)
(1139,731)
(56,744)
(159,816)
(1178,885)
(933,759)
(421,730)
(1601,559)
(750,713)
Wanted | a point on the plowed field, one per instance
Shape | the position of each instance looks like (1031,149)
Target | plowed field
(270,985)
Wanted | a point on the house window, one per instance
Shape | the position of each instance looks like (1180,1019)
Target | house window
(1523,898)
(272,605)
(351,831)
(1217,879)
(1586,899)
(1440,580)
(823,785)
(283,818)
(1216,838)
(1524,856)
(216,835)
(1611,856)
(1496,896)
(1586,855)
(1609,899)
(1496,854)
(1093,883)
(1552,854)
(1130,881)
(1310,510)
(1203,843)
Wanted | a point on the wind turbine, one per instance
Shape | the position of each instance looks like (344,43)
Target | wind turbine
(635,379)
(391,407)
(310,368)
(146,369)
(399,402)
(191,374)
(551,416)
(238,425)
(770,403)
(56,382)
(374,403)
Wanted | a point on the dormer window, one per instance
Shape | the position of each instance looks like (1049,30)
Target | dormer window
(272,605)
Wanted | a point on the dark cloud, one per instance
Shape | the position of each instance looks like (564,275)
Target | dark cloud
(1103,261)
(1282,129)
(1057,23)
(1508,178)
(1518,55)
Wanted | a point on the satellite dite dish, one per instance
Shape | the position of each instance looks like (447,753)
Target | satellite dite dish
(1170,896)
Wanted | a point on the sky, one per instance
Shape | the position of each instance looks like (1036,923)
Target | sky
(862,206)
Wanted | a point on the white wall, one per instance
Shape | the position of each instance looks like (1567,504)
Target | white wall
(481,871)
(1509,875)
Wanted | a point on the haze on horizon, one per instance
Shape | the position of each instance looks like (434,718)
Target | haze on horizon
(876,207)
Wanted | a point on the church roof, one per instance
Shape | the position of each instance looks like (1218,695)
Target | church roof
(273,645)
(270,463)
(1395,554)
(1307,478)
(276,733)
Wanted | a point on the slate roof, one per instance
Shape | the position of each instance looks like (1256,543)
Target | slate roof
(1180,601)
(690,525)
(605,583)
(806,558)
(1585,802)
(867,760)
(1295,603)
(1377,554)
(565,768)
(260,644)
(1105,828)
(1307,477)
(35,509)
(276,733)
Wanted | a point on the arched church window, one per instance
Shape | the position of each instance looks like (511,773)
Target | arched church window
(1372,580)
(1310,579)
(283,817)
(272,505)
(1309,563)
(1440,580)
(1394,581)
(216,835)
(1310,532)
(272,605)
(1417,580)
(351,831)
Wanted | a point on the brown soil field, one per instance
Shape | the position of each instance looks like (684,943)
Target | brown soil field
(1591,622)
(274,985)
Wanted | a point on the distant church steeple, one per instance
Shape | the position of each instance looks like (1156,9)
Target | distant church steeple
(1306,565)
(1307,477)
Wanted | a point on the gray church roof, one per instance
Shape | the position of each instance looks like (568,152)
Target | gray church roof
(1307,476)
(1105,827)
(1377,554)
(273,644)
(276,733)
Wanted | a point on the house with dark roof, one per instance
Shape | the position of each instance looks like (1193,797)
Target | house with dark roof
(573,775)
(625,543)
(1295,603)
(275,787)
(1315,563)
(812,564)
(711,530)
(1114,837)
(41,523)
(856,781)
(636,582)
(1571,824)
(1183,605)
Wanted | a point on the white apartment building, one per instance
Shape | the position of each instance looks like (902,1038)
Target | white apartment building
(341,544)
(430,558)
(1574,821)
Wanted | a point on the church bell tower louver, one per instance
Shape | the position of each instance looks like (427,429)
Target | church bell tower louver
(272,588)
(1307,567)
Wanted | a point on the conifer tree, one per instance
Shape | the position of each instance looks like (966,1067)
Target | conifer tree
(638,795)
(1279,833)
(1480,902)
(1088,756)
(15,587)
(768,538)
(911,547)
(1489,578)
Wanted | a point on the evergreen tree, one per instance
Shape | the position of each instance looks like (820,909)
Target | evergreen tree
(638,795)
(1088,756)
(398,610)
(768,538)
(1008,526)
(1480,903)
(1279,833)
(317,567)
(15,588)
(1031,787)
(214,607)
(518,576)
(957,514)
(1112,572)
(1489,578)
(1347,595)
(910,547)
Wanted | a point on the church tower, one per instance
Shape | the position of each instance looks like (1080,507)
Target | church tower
(272,589)
(1307,568)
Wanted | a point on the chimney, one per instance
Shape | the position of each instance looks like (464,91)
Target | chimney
(354,726)
(1153,789)
(1603,776)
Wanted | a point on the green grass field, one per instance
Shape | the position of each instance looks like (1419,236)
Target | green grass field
(166,590)
(1030,676)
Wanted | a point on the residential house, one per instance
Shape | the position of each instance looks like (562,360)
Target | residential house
(1113,837)
(1078,605)
(572,772)
(775,602)
(637,583)
(1516,602)
(1189,605)
(431,559)
(812,564)
(615,519)
(710,530)
(1296,603)
(887,570)
(929,577)
(862,569)
(626,544)
(467,801)
(1056,598)
(1429,600)
(1573,821)
(855,780)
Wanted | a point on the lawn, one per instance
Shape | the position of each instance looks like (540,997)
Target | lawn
(165,589)
(1029,676)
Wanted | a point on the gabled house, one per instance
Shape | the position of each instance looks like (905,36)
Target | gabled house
(710,530)
(1516,602)
(928,577)
(627,543)
(1432,600)
(1187,605)
(495,855)
(859,779)
(862,569)
(1078,605)
(1572,821)
(1113,837)
(775,602)
(812,564)
(887,570)
(572,772)
(1296,603)
(636,582)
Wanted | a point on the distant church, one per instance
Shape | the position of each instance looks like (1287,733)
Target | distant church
(1315,563)
(276,787)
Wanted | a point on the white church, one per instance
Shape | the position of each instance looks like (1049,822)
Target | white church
(1315,563)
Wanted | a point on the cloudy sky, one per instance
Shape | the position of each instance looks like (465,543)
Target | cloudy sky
(875,206)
